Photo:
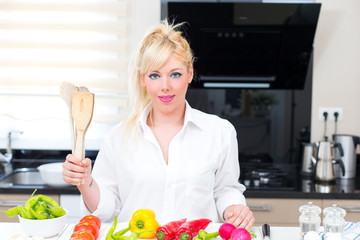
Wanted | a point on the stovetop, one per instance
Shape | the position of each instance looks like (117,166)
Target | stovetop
(267,176)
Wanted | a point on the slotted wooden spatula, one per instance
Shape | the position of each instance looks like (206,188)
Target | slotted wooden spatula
(82,112)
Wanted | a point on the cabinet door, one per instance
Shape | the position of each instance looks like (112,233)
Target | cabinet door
(352,208)
(8,201)
(278,212)
(71,202)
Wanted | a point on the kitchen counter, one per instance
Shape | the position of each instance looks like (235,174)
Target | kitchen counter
(287,184)
(297,191)
(12,231)
(41,189)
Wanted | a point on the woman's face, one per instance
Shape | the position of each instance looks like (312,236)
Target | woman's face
(167,86)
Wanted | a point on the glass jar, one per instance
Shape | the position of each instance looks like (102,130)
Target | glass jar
(334,222)
(309,219)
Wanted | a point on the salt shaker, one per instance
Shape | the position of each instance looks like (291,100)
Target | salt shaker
(334,222)
(309,219)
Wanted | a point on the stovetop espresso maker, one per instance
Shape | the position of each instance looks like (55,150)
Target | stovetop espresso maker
(326,161)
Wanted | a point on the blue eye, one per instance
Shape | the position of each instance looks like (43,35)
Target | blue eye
(175,75)
(154,76)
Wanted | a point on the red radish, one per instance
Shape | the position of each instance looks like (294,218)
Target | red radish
(240,234)
(225,230)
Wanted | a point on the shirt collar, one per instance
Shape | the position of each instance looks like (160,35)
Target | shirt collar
(190,116)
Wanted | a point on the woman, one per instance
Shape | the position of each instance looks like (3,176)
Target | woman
(168,157)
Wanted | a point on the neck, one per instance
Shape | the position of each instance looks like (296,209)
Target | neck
(159,118)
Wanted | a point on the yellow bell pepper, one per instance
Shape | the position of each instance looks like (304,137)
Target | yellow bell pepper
(144,220)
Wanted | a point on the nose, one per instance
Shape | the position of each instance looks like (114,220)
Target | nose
(165,85)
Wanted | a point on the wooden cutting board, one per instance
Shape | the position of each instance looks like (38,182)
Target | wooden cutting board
(82,112)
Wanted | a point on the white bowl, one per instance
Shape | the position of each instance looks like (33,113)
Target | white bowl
(43,228)
(51,174)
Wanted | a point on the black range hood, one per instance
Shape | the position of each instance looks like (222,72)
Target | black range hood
(249,45)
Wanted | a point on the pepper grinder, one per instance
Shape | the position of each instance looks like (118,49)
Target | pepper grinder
(334,222)
(309,219)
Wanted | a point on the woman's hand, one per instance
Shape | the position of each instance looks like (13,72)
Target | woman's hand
(76,171)
(239,215)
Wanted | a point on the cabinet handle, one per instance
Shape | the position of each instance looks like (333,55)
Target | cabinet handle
(260,207)
(351,209)
(11,203)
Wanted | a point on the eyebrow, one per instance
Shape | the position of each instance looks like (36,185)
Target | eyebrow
(171,70)
(176,69)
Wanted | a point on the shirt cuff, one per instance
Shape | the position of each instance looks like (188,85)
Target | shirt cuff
(228,199)
(106,206)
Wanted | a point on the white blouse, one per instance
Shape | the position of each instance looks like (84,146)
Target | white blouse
(199,181)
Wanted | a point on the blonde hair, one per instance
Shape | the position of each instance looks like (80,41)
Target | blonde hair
(160,42)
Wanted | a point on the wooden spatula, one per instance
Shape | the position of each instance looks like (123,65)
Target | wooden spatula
(82,112)
(67,91)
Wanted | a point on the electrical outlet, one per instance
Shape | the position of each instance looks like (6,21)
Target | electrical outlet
(330,112)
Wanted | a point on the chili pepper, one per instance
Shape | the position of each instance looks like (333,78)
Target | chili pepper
(25,213)
(203,235)
(120,237)
(56,211)
(48,200)
(33,192)
(18,210)
(144,220)
(40,207)
(121,232)
(12,212)
(41,198)
(136,235)
(167,231)
(38,211)
(191,228)
(38,215)
(31,202)
(111,230)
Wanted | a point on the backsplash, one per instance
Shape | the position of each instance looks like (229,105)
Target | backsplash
(270,124)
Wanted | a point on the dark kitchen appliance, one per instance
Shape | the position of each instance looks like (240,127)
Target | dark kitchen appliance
(267,176)
(249,45)
(348,144)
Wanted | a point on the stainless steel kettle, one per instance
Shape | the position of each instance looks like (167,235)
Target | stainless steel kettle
(308,157)
(348,144)
(325,161)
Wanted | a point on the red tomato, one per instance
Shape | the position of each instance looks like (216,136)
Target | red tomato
(88,227)
(93,219)
(82,235)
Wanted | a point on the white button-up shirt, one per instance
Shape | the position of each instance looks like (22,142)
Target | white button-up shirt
(199,181)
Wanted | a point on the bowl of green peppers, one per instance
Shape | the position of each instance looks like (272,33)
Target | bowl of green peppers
(42,216)
(43,227)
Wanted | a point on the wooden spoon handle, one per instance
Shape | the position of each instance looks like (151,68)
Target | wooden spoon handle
(79,146)
(72,130)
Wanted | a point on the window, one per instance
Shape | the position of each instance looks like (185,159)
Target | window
(85,42)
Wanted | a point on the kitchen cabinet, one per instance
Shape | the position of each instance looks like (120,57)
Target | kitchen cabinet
(352,208)
(8,201)
(285,212)
(71,202)
(278,212)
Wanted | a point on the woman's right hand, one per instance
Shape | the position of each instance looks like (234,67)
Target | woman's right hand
(76,171)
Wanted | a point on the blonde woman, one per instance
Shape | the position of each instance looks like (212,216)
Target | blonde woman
(166,156)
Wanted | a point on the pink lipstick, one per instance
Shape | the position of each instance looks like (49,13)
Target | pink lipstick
(166,98)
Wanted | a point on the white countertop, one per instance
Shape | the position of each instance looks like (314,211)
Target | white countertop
(12,231)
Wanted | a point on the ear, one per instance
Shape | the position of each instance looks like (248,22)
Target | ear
(191,74)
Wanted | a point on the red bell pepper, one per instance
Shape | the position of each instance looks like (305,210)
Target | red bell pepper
(167,231)
(191,228)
